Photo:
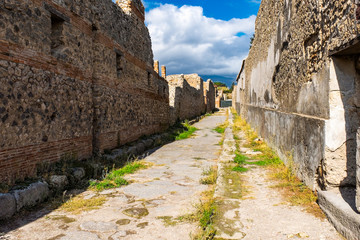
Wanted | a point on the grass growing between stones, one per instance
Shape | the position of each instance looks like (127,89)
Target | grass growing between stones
(115,178)
(221,128)
(292,189)
(77,205)
(204,215)
(210,176)
(188,133)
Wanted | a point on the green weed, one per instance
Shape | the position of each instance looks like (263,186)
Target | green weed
(190,130)
(115,178)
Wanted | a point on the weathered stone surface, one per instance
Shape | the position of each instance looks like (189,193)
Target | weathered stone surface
(187,94)
(8,205)
(118,236)
(148,143)
(79,173)
(136,212)
(340,214)
(132,151)
(297,96)
(77,235)
(58,182)
(48,105)
(32,195)
(98,226)
(140,148)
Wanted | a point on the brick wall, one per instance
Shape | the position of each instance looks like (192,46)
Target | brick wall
(75,77)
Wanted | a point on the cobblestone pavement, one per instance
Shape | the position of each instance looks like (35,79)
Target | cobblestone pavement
(145,209)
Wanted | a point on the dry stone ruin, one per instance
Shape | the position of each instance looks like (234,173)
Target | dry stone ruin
(78,77)
(299,88)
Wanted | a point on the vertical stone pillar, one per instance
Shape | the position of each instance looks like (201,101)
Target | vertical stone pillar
(358,170)
(156,66)
(163,71)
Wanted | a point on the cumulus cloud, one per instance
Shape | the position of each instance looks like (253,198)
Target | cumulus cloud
(186,41)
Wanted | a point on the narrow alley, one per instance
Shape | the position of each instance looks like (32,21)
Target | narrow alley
(162,201)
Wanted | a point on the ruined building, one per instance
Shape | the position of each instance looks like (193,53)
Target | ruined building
(75,77)
(300,89)
(190,96)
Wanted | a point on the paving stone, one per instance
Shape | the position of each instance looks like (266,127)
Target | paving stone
(79,235)
(98,226)
(136,212)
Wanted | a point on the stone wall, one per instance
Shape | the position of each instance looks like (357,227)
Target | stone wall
(75,77)
(209,93)
(300,87)
(187,96)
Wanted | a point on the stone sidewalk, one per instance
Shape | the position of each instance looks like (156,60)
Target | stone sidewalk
(145,209)
(250,208)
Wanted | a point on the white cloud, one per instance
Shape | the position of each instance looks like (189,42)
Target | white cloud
(186,41)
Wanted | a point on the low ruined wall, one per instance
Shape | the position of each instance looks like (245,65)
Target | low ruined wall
(298,96)
(76,77)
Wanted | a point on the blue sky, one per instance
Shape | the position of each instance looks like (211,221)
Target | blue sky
(224,10)
(208,37)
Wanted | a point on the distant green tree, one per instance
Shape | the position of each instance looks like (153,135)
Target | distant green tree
(220,84)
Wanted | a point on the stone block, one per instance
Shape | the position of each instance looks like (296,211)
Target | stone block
(148,143)
(32,195)
(132,151)
(8,205)
(140,147)
(58,182)
(78,173)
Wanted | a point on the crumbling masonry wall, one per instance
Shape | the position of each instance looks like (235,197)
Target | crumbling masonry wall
(187,96)
(300,88)
(76,77)
(209,93)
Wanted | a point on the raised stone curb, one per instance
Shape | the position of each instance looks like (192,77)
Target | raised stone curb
(340,214)
(227,155)
(32,195)
(7,205)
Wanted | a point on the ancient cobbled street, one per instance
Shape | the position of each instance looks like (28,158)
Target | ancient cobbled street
(159,202)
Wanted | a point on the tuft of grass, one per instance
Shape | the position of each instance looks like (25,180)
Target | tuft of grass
(240,169)
(240,159)
(210,176)
(204,215)
(115,178)
(78,204)
(293,190)
(190,130)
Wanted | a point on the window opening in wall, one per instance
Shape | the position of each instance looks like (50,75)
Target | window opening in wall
(57,27)
(149,78)
(119,62)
